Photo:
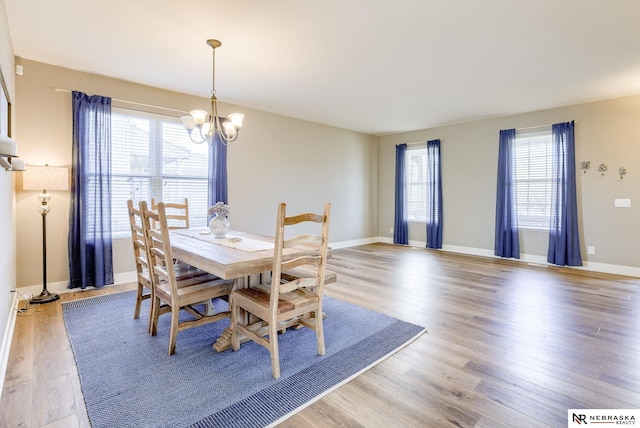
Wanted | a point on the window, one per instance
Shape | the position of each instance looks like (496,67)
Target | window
(152,157)
(416,169)
(533,178)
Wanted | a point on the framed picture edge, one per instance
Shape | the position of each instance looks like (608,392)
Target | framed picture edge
(5,108)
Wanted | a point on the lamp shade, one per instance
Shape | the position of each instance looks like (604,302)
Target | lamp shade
(236,119)
(8,147)
(199,116)
(17,164)
(45,178)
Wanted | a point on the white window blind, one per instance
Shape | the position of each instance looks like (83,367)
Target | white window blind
(416,170)
(533,178)
(152,157)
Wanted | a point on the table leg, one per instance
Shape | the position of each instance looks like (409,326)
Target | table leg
(224,341)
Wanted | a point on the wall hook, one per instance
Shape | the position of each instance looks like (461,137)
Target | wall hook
(603,168)
(623,171)
(584,166)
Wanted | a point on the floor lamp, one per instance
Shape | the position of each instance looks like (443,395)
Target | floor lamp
(45,178)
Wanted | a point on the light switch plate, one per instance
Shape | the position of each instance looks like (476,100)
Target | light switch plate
(622,203)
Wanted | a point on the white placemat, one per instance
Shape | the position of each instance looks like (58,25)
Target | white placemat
(238,243)
(244,244)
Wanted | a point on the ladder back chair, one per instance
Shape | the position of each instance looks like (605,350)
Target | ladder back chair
(144,289)
(177,213)
(176,294)
(281,303)
(141,255)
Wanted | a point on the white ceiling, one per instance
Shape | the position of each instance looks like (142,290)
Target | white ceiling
(375,66)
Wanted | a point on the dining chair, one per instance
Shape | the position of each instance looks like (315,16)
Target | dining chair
(281,303)
(178,218)
(140,251)
(144,289)
(171,295)
(177,213)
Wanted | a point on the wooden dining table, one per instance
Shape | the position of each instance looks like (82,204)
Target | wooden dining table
(246,258)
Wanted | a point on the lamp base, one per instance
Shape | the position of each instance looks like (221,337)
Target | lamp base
(44,297)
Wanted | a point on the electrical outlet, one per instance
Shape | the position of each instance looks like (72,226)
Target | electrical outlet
(391,230)
(591,249)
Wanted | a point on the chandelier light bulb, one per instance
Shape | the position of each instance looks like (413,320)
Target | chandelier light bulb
(199,117)
(236,120)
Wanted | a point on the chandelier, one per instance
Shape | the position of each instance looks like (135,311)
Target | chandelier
(208,124)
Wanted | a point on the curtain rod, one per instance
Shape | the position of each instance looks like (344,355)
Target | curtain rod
(423,143)
(533,127)
(542,126)
(131,102)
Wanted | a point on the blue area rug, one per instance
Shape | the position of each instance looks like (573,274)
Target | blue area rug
(128,380)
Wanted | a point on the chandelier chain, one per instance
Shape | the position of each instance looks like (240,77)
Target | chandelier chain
(213,76)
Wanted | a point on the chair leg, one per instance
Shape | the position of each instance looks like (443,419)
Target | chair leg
(155,313)
(150,325)
(150,320)
(173,335)
(319,332)
(235,339)
(209,309)
(136,311)
(273,347)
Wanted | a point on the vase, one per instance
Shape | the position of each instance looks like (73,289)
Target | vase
(219,226)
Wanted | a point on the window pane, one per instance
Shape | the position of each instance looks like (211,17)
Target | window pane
(129,145)
(533,179)
(152,157)
(175,190)
(181,157)
(124,188)
(416,170)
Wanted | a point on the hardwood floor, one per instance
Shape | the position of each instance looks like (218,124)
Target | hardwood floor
(508,344)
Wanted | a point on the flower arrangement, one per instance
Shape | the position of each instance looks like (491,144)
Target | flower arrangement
(220,208)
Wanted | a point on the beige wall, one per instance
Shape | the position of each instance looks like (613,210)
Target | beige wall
(275,159)
(606,132)
(279,158)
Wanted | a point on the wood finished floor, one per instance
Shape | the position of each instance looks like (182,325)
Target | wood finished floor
(508,344)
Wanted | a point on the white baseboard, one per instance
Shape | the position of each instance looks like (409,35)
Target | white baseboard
(61,286)
(530,258)
(7,337)
(353,243)
(609,268)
